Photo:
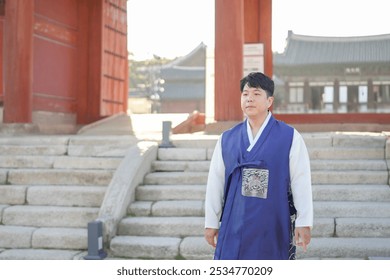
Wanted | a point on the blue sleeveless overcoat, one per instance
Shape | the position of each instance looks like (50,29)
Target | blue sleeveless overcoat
(257,219)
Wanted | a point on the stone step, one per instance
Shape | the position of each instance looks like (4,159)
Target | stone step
(196,248)
(363,227)
(48,216)
(323,227)
(166,208)
(59,177)
(37,150)
(379,193)
(347,164)
(328,177)
(90,196)
(12,161)
(78,196)
(203,166)
(182,154)
(194,226)
(161,226)
(34,140)
(338,139)
(72,162)
(11,194)
(346,139)
(170,192)
(145,247)
(40,254)
(353,152)
(346,153)
(188,166)
(349,209)
(176,178)
(43,238)
(346,248)
(348,177)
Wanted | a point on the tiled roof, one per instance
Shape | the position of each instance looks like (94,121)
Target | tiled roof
(311,50)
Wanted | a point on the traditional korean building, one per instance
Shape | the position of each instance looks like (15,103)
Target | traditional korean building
(334,79)
(184,83)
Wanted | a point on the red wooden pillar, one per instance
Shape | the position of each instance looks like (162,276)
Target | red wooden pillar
(229,41)
(258,28)
(18,61)
(236,23)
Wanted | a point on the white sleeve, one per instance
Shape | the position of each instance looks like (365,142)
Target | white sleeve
(300,176)
(215,188)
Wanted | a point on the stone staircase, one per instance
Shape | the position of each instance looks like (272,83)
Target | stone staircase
(351,194)
(51,187)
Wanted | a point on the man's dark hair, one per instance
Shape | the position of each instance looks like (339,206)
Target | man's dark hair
(258,80)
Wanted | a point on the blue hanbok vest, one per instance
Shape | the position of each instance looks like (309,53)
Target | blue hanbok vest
(257,219)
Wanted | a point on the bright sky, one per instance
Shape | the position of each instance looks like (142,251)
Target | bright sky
(172,28)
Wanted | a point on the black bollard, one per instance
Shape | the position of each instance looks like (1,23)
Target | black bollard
(95,241)
(166,131)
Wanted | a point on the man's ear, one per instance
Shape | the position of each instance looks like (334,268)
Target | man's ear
(270,101)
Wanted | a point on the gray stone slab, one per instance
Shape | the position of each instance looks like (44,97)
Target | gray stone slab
(102,140)
(108,150)
(194,141)
(60,238)
(145,247)
(347,164)
(49,216)
(363,227)
(170,192)
(195,166)
(37,254)
(376,140)
(172,178)
(10,194)
(323,227)
(313,140)
(32,140)
(210,153)
(169,165)
(351,209)
(29,161)
(16,236)
(140,208)
(49,150)
(346,153)
(86,196)
(196,248)
(60,177)
(69,162)
(182,154)
(379,193)
(343,177)
(161,226)
(178,208)
(346,248)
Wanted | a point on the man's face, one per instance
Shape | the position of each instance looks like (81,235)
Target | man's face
(254,101)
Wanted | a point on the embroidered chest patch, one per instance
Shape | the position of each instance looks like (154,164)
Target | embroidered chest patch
(255,182)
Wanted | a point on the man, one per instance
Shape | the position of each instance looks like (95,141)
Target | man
(259,197)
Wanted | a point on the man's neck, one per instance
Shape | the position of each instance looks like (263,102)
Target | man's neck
(256,123)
